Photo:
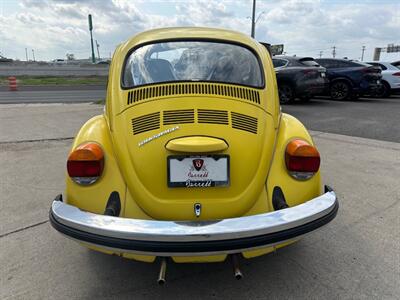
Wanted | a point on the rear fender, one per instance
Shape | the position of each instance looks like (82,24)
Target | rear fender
(93,198)
(295,191)
(288,81)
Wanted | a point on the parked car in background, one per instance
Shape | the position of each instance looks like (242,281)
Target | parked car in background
(390,78)
(350,79)
(298,77)
(5,59)
(59,61)
(396,63)
(103,62)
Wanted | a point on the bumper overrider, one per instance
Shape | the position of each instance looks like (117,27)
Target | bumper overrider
(194,238)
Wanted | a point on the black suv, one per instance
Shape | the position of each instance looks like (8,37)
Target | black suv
(350,79)
(298,77)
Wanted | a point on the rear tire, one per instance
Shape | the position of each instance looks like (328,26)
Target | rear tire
(286,94)
(340,90)
(384,91)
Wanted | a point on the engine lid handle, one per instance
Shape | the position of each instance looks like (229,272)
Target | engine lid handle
(196,144)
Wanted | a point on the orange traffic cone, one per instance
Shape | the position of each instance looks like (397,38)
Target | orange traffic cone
(12,83)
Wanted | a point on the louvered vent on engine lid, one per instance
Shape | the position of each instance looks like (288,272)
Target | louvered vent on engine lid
(178,116)
(146,123)
(187,116)
(143,93)
(212,116)
(244,122)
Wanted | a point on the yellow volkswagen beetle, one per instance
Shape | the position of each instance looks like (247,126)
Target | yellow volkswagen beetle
(192,160)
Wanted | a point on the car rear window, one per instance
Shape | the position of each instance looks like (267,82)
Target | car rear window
(360,63)
(377,65)
(192,61)
(327,63)
(310,62)
(279,62)
(349,64)
(339,63)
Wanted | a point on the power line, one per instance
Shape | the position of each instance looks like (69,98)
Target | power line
(309,50)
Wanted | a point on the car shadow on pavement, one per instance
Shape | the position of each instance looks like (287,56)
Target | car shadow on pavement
(359,100)
(327,101)
(123,278)
(369,100)
(312,102)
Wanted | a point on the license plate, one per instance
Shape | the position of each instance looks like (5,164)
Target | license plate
(198,171)
(323,74)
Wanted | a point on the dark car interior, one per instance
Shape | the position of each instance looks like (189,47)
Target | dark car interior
(160,70)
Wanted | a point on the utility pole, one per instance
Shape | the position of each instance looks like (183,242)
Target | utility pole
(253,20)
(91,37)
(26,53)
(334,51)
(97,46)
(33,55)
(320,54)
(362,53)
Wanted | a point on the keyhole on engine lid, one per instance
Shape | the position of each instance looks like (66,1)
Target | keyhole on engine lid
(197,209)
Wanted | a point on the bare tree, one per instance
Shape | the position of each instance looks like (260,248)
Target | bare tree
(70,56)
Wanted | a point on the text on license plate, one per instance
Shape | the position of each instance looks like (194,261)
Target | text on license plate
(198,171)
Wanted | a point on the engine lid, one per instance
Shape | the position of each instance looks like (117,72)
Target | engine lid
(148,135)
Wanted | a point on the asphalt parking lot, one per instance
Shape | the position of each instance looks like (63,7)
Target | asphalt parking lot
(373,118)
(354,257)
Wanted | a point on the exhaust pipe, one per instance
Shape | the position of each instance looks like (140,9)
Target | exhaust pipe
(163,269)
(236,269)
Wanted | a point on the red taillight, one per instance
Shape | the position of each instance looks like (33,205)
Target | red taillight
(396,74)
(309,72)
(303,164)
(84,168)
(85,164)
(372,70)
(302,159)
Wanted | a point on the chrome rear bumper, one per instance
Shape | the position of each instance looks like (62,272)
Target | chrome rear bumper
(192,238)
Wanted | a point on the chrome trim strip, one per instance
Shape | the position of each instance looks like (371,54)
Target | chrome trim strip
(156,136)
(194,231)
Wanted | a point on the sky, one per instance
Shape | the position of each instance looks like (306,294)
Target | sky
(53,28)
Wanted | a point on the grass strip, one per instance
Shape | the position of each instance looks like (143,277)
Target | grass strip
(53,80)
